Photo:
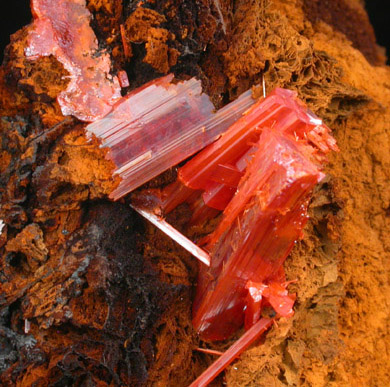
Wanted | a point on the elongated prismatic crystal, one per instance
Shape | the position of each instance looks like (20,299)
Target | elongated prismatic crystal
(159,125)
(258,229)
(260,174)
(217,170)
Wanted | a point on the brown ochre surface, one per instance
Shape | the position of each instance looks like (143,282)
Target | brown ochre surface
(92,295)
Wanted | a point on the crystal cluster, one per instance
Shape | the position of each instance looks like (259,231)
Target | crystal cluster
(159,125)
(260,173)
(61,28)
(258,229)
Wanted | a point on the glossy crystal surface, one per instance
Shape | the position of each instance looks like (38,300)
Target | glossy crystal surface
(159,125)
(61,28)
(218,169)
(260,173)
(257,232)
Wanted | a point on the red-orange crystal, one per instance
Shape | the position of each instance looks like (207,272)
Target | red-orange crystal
(217,170)
(61,28)
(257,232)
(233,352)
(260,173)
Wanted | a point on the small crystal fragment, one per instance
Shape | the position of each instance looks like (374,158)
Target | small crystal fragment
(61,28)
(159,125)
(127,51)
(123,79)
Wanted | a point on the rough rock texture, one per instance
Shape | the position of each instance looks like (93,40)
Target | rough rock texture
(90,295)
(62,29)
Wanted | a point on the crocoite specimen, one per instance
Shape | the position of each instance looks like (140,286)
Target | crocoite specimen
(257,232)
(61,28)
(159,125)
(260,173)
(217,170)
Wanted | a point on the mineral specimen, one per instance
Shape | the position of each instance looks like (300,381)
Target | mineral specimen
(159,125)
(258,229)
(217,170)
(61,28)
(260,174)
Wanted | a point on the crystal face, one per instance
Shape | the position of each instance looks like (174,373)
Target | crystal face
(61,28)
(257,232)
(219,168)
(260,174)
(159,125)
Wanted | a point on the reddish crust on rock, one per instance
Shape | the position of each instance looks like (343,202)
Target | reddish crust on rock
(62,29)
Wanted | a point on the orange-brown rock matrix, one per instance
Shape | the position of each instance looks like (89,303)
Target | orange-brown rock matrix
(92,295)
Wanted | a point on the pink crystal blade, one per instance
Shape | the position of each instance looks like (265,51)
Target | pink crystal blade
(158,126)
(175,235)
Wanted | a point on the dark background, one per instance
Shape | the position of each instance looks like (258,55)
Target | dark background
(16,14)
(379,13)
